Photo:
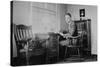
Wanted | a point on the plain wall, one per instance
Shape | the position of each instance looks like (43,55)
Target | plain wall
(44,17)
(21,12)
(90,13)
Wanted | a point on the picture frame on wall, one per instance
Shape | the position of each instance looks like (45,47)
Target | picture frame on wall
(82,12)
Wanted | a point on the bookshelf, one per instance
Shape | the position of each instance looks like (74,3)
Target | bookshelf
(84,28)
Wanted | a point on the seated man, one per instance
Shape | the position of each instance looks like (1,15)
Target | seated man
(70,32)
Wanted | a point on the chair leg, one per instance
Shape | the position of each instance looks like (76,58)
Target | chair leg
(78,52)
(27,58)
(65,52)
(58,57)
(46,60)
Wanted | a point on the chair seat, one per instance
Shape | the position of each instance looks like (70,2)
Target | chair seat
(22,50)
(33,52)
(73,46)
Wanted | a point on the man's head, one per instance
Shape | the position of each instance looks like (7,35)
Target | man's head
(67,17)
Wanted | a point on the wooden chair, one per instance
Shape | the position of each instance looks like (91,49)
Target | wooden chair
(52,52)
(27,46)
(84,41)
(75,43)
(23,37)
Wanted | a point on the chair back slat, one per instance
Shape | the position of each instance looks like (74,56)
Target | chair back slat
(28,33)
(17,34)
(22,32)
(23,36)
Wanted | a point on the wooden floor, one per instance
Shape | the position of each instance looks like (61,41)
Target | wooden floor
(39,60)
(77,59)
